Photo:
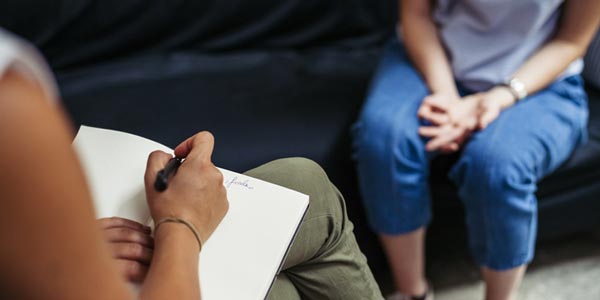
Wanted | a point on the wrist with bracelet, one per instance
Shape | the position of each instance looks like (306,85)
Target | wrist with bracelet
(189,225)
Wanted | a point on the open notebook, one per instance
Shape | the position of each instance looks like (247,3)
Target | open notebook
(243,256)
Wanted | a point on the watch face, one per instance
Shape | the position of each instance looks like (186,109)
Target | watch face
(518,88)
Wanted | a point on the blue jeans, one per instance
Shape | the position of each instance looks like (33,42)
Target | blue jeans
(496,173)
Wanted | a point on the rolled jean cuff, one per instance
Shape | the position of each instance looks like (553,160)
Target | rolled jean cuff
(394,225)
(505,264)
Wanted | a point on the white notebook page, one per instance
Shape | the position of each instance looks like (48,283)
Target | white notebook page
(242,257)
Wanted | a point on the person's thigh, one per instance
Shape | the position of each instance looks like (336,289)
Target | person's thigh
(324,261)
(500,166)
(390,155)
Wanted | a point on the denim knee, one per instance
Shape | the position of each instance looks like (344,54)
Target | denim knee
(393,168)
(381,137)
(497,187)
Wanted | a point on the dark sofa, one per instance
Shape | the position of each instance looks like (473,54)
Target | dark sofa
(270,78)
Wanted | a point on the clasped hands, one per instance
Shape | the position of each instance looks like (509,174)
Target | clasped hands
(452,120)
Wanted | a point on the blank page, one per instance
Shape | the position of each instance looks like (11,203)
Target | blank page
(243,256)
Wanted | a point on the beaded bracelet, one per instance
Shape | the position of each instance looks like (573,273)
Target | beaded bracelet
(184,222)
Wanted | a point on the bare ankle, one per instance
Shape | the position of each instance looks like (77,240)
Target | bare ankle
(415,288)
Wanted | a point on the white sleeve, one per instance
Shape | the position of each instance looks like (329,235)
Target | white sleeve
(21,56)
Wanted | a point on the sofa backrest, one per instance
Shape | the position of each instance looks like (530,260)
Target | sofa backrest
(98,30)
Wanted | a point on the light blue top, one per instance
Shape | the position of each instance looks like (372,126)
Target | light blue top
(488,40)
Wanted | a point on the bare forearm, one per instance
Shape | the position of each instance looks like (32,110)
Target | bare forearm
(174,269)
(578,24)
(547,64)
(50,246)
(423,44)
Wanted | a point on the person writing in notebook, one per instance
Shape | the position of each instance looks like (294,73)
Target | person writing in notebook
(52,248)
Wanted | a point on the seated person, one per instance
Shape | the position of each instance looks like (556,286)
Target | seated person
(496,81)
(52,247)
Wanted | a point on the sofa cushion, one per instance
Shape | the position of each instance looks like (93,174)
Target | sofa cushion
(569,196)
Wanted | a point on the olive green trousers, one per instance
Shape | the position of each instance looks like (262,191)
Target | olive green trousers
(324,261)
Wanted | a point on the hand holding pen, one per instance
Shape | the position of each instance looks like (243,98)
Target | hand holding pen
(162,177)
(193,186)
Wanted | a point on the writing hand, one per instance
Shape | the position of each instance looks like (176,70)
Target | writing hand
(131,246)
(196,192)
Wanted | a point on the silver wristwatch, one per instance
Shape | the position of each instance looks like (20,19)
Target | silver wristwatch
(517,88)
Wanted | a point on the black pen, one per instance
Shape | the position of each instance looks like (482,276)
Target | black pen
(162,177)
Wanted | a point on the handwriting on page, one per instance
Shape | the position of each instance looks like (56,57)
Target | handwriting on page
(235,181)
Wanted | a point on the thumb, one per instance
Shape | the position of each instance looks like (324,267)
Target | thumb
(437,102)
(486,118)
